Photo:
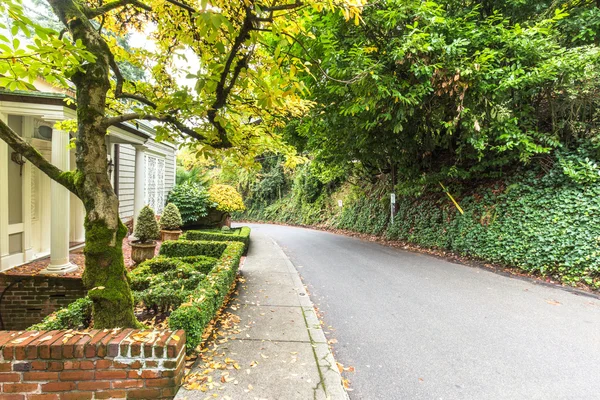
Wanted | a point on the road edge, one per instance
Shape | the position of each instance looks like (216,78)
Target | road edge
(331,378)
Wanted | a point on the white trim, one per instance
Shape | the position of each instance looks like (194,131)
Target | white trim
(16,228)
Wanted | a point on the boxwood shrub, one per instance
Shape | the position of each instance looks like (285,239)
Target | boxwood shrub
(187,248)
(233,235)
(208,296)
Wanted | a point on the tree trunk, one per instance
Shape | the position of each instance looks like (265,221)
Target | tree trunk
(105,275)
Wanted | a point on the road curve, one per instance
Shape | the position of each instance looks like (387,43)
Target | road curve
(417,327)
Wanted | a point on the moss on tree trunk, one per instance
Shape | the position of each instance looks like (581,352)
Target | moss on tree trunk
(106,277)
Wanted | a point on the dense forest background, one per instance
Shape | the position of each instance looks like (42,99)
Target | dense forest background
(481,116)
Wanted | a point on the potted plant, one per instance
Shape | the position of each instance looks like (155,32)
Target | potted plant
(170,222)
(146,232)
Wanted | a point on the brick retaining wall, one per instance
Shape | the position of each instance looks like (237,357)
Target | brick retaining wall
(97,364)
(28,299)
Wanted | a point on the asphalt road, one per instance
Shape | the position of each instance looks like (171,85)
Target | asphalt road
(417,327)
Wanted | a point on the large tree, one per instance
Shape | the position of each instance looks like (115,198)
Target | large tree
(242,89)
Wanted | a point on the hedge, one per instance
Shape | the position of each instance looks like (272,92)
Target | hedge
(208,297)
(187,248)
(233,235)
(76,315)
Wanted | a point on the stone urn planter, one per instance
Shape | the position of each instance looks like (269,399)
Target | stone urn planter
(141,252)
(170,235)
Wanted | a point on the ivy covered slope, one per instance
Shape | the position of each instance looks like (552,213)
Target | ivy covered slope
(544,222)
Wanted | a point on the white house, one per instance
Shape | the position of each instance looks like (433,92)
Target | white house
(39,217)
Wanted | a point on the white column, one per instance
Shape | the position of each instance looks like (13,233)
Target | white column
(140,180)
(59,209)
(3,197)
(27,134)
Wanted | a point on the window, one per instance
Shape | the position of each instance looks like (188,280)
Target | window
(154,194)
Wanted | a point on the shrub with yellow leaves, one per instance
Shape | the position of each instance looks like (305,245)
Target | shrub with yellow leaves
(226,197)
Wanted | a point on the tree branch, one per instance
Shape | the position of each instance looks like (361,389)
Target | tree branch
(283,7)
(32,155)
(96,12)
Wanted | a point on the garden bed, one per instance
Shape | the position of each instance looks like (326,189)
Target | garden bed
(178,294)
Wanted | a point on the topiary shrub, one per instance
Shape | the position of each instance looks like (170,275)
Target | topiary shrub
(170,220)
(192,201)
(226,198)
(146,227)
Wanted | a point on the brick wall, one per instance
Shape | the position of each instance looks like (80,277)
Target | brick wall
(95,364)
(28,299)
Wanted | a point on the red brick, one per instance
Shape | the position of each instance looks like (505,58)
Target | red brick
(77,375)
(174,346)
(45,396)
(79,346)
(159,345)
(77,396)
(111,374)
(134,374)
(20,387)
(170,364)
(87,364)
(5,336)
(40,376)
(39,365)
(56,347)
(151,364)
(43,348)
(58,386)
(8,349)
(104,364)
(26,349)
(115,341)
(163,382)
(69,346)
(55,366)
(71,364)
(144,394)
(10,377)
(5,367)
(111,394)
(92,346)
(12,397)
(127,384)
(93,385)
(147,374)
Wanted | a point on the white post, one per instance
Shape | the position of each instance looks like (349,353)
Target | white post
(60,201)
(3,197)
(140,180)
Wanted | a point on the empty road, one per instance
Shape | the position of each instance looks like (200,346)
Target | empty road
(417,327)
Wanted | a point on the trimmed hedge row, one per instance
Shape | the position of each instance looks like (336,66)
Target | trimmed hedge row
(208,297)
(190,248)
(233,235)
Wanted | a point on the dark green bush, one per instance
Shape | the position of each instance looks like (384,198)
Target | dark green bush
(208,297)
(76,315)
(185,248)
(236,235)
(192,200)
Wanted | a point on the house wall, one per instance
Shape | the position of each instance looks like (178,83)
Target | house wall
(127,173)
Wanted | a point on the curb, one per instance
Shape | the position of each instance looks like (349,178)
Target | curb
(331,378)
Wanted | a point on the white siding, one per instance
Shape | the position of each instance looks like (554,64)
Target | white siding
(126,179)
(127,173)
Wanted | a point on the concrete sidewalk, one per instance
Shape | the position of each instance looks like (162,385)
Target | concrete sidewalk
(278,349)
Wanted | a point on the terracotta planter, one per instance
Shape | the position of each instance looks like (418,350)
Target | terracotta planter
(141,252)
(170,235)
